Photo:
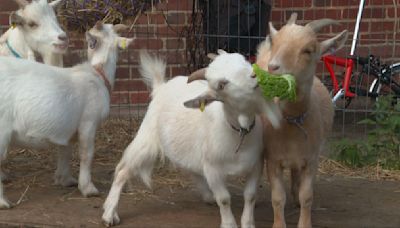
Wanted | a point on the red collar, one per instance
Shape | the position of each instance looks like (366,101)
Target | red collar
(100,72)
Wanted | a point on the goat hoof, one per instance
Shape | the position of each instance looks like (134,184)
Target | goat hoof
(89,191)
(4,204)
(111,222)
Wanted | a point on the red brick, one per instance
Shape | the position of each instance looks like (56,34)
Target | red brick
(176,5)
(4,19)
(120,98)
(277,15)
(372,38)
(350,13)
(170,31)
(176,70)
(345,2)
(145,31)
(176,18)
(374,13)
(382,26)
(314,14)
(122,72)
(140,98)
(130,85)
(143,43)
(175,43)
(391,12)
(323,3)
(8,5)
(151,18)
(292,3)
(174,57)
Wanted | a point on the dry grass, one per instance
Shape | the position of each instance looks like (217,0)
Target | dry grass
(79,15)
(112,138)
(332,167)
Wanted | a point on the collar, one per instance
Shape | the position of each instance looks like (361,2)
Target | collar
(100,72)
(298,121)
(12,50)
(242,133)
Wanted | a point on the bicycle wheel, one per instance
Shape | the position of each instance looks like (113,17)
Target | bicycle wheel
(395,79)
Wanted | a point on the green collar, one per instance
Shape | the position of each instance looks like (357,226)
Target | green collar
(15,53)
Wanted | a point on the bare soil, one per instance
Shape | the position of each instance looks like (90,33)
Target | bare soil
(340,201)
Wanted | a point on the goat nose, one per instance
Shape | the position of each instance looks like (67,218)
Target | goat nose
(63,37)
(272,67)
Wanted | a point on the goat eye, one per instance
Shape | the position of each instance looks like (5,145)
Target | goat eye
(307,51)
(32,24)
(222,84)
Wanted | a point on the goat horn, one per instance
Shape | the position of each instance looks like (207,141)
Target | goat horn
(99,25)
(212,56)
(292,19)
(197,75)
(317,25)
(22,3)
(221,52)
(120,28)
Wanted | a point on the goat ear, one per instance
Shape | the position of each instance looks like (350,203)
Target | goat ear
(272,30)
(123,43)
(334,44)
(202,101)
(16,20)
(56,4)
(91,40)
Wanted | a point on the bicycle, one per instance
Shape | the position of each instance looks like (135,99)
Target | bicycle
(350,87)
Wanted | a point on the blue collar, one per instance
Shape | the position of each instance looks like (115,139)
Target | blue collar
(15,53)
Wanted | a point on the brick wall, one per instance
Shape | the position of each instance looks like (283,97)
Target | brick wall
(162,29)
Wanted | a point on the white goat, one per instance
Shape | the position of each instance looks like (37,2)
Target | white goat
(224,140)
(295,49)
(35,29)
(42,104)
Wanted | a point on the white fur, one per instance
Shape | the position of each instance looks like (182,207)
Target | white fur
(201,142)
(42,104)
(42,39)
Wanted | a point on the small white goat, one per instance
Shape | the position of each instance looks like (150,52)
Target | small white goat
(42,104)
(35,29)
(225,139)
(307,122)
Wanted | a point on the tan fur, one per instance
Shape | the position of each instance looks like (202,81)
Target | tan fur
(296,50)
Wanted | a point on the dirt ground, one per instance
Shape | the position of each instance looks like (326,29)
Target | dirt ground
(340,201)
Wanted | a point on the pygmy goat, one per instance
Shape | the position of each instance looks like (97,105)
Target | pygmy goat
(297,144)
(34,28)
(42,104)
(225,139)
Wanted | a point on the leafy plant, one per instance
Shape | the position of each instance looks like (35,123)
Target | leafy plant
(383,142)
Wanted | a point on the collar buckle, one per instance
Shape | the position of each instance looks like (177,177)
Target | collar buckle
(242,133)
(299,122)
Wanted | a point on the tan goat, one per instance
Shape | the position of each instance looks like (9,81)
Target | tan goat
(296,145)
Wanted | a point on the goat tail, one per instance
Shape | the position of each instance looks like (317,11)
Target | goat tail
(152,70)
